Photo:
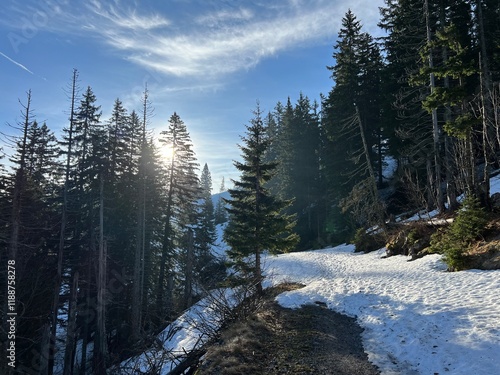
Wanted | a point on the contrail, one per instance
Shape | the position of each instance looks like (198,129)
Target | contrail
(18,64)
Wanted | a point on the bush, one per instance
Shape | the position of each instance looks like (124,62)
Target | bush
(470,222)
(367,242)
(467,227)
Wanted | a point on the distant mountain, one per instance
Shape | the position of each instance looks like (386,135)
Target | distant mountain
(216,197)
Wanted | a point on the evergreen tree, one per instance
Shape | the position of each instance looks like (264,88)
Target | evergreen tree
(205,235)
(205,232)
(138,290)
(118,139)
(42,154)
(404,22)
(180,211)
(271,122)
(297,145)
(351,102)
(48,343)
(29,214)
(220,210)
(285,152)
(257,222)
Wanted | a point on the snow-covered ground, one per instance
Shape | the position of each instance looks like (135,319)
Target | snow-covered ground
(189,332)
(418,318)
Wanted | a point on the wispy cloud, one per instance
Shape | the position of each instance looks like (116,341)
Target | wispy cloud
(216,43)
(127,19)
(222,17)
(207,43)
(16,63)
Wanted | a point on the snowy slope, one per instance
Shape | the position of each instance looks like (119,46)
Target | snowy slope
(189,332)
(418,319)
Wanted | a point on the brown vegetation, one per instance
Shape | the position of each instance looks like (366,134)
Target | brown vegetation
(275,340)
(413,239)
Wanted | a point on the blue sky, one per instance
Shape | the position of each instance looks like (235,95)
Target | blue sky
(209,61)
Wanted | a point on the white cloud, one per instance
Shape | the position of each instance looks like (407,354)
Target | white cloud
(214,50)
(128,19)
(207,44)
(221,17)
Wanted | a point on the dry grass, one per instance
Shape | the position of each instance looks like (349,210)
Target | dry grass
(275,340)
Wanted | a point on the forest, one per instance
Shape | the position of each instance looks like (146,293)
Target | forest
(106,243)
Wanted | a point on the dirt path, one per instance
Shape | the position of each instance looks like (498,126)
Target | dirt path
(275,340)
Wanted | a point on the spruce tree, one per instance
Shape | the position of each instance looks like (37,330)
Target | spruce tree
(412,144)
(28,206)
(138,290)
(205,234)
(354,97)
(220,210)
(257,219)
(180,211)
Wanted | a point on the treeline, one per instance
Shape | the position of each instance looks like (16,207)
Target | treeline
(423,99)
(108,241)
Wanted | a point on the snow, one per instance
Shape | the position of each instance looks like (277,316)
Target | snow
(417,318)
(189,332)
(390,166)
(219,248)
(222,195)
(495,185)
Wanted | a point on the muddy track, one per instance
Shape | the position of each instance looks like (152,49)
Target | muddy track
(275,340)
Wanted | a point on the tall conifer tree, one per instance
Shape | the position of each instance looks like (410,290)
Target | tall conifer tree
(182,193)
(257,219)
(357,87)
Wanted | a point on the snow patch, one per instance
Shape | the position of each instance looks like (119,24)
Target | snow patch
(417,318)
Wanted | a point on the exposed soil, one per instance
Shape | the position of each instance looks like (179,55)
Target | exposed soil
(275,340)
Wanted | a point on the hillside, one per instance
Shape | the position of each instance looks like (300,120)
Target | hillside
(402,317)
(416,317)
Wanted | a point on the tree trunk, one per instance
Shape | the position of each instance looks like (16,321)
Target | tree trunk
(100,347)
(139,251)
(435,127)
(141,233)
(85,333)
(451,188)
(258,273)
(86,320)
(166,247)
(486,108)
(44,349)
(62,233)
(69,353)
(188,286)
(449,160)
(373,185)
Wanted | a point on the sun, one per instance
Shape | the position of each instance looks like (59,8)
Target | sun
(167,151)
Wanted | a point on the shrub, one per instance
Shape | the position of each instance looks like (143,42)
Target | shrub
(367,242)
(469,224)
